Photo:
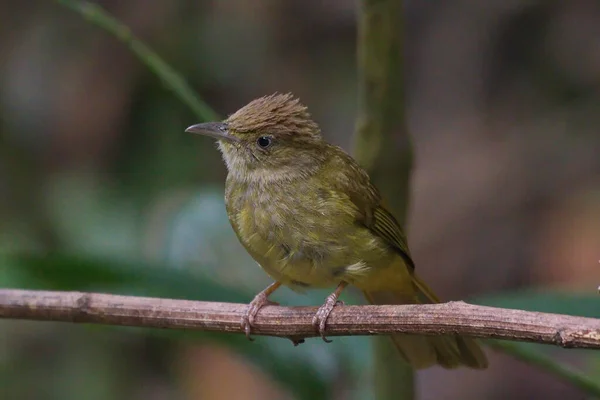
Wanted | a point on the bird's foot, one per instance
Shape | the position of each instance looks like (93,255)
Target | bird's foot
(259,301)
(320,319)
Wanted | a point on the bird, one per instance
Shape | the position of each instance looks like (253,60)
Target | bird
(310,216)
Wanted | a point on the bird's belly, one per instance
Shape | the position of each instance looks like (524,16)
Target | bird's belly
(298,268)
(303,248)
(302,264)
(385,273)
(301,274)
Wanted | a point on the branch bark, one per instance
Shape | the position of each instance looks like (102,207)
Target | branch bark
(296,322)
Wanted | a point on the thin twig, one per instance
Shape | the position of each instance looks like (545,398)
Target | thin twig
(446,318)
(171,78)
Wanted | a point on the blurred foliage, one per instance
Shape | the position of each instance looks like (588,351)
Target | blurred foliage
(101,190)
(536,354)
(305,369)
(543,300)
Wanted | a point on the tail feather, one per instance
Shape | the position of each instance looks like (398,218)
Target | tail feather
(425,290)
(425,351)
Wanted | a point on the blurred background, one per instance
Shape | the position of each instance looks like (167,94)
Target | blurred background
(100,188)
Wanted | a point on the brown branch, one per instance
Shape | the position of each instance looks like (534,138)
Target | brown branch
(452,317)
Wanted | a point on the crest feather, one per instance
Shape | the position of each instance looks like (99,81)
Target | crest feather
(277,114)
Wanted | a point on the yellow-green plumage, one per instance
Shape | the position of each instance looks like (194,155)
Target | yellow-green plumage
(309,232)
(309,215)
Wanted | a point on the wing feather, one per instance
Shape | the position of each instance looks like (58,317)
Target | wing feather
(356,183)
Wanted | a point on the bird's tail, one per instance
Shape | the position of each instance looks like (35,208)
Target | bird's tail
(425,351)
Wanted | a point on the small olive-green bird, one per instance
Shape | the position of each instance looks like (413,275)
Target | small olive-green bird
(309,215)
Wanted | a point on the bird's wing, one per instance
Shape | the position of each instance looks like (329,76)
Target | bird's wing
(372,213)
(382,223)
(387,227)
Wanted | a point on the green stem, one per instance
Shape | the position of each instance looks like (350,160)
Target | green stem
(172,80)
(383,144)
(383,148)
(545,363)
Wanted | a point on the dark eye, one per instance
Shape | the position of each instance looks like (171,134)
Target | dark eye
(264,141)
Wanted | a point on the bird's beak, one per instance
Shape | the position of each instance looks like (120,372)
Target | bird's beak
(217,130)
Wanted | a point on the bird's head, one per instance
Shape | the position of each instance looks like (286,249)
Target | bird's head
(270,138)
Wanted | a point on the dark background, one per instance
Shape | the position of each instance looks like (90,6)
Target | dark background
(503,107)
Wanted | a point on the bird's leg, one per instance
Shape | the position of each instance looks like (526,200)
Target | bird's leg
(320,319)
(259,301)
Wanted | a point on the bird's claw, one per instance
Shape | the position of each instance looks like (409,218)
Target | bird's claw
(320,319)
(296,340)
(254,307)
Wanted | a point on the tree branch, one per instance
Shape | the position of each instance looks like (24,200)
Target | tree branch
(445,318)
